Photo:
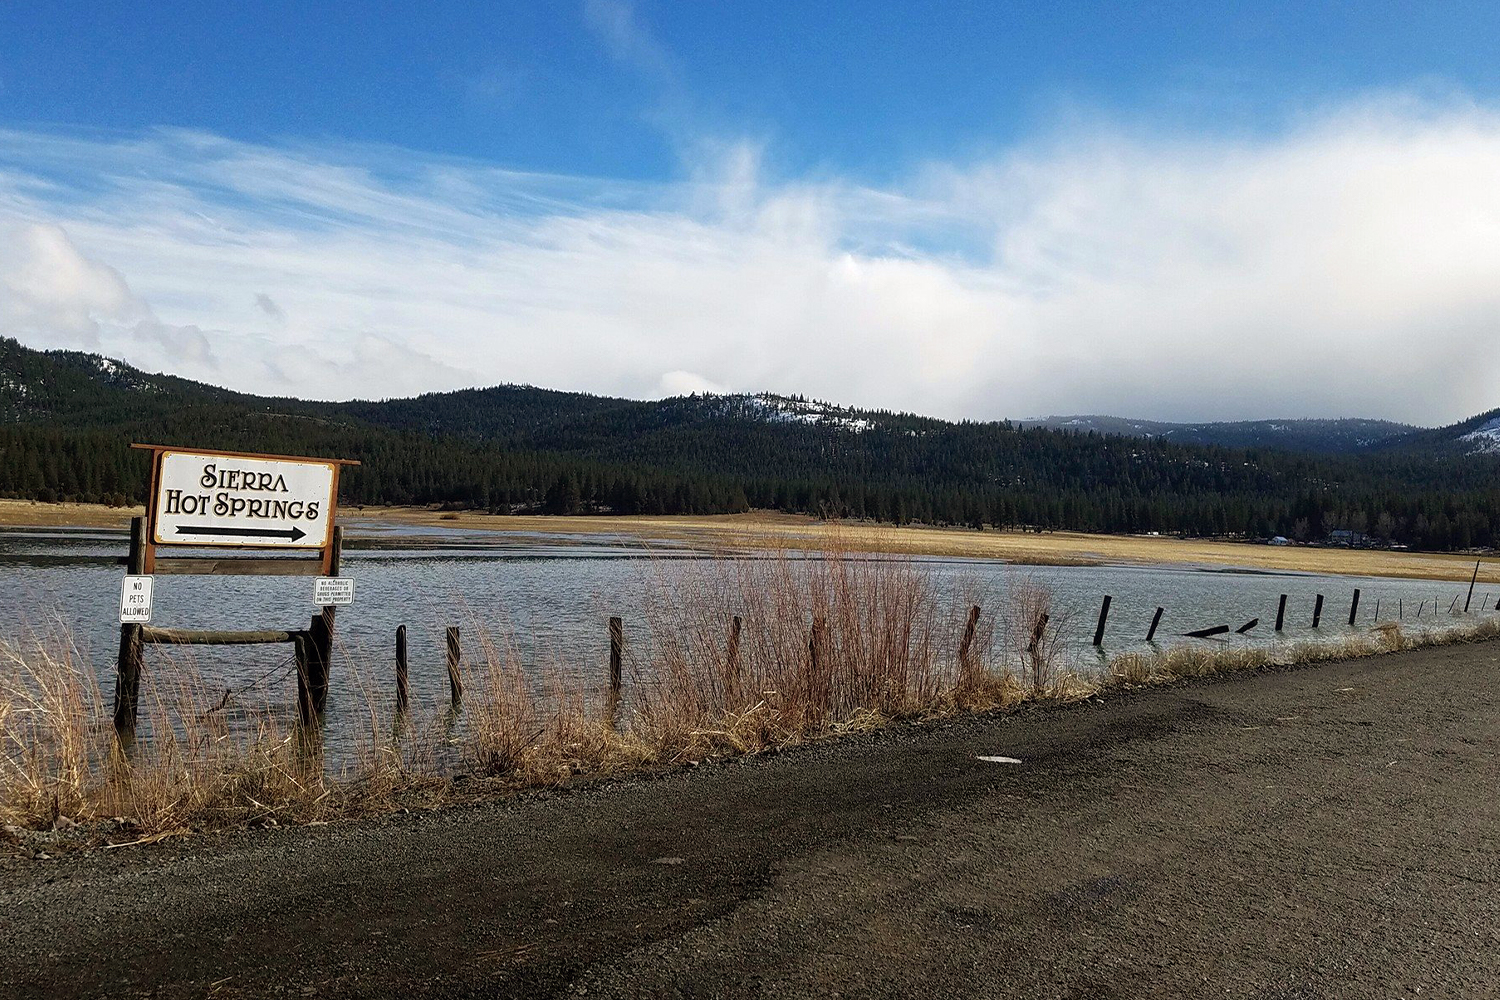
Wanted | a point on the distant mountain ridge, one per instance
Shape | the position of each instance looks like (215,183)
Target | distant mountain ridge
(1322,436)
(66,419)
(507,410)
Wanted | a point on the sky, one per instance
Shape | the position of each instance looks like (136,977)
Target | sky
(969,210)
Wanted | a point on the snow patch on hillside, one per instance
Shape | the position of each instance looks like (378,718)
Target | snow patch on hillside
(769,408)
(1484,439)
(781,409)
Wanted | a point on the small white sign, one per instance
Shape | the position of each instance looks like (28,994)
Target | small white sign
(135,600)
(208,499)
(333,591)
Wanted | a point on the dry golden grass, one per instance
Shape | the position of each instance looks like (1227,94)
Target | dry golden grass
(33,514)
(766,530)
(1143,668)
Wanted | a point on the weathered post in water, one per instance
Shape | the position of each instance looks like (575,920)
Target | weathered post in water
(616,654)
(1155,621)
(302,654)
(1036,634)
(1354,606)
(403,692)
(965,664)
(455,668)
(1317,610)
(128,667)
(815,644)
(1472,580)
(1103,617)
(1281,612)
(732,653)
(321,652)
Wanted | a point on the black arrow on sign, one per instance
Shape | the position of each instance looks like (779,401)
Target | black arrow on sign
(291,534)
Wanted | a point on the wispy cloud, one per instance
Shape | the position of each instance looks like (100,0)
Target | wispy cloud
(1347,265)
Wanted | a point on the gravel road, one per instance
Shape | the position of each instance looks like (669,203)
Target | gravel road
(1323,832)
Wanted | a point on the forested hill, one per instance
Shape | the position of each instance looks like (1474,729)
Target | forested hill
(1344,436)
(70,418)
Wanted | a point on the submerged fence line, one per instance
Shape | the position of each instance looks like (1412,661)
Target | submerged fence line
(817,652)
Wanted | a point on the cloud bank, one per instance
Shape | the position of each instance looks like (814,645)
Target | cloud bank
(1348,264)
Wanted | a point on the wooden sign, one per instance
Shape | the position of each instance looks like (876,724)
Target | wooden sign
(208,499)
(201,498)
(234,500)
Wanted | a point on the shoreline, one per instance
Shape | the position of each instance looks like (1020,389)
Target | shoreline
(763,530)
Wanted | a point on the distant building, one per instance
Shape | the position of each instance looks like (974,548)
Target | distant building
(1348,538)
(1279,540)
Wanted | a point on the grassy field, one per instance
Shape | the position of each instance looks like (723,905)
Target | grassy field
(763,530)
(767,530)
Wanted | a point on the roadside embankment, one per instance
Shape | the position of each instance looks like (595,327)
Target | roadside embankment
(1284,833)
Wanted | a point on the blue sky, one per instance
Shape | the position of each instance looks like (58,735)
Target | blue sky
(979,210)
(863,88)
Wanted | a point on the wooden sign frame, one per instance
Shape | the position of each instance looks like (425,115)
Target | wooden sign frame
(237,566)
(313,647)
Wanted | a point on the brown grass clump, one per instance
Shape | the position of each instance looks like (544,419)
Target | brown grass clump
(827,645)
(1133,669)
(193,765)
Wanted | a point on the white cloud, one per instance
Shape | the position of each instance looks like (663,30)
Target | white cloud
(681,383)
(1347,265)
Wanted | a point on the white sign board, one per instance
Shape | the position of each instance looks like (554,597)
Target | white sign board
(333,591)
(135,600)
(273,503)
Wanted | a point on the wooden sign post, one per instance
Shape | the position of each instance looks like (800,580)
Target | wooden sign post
(205,499)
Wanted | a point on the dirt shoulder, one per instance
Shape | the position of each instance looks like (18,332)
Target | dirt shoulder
(1329,831)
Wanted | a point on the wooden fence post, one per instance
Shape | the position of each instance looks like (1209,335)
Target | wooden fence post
(1317,610)
(1354,606)
(320,658)
(403,692)
(455,668)
(128,666)
(303,652)
(1037,633)
(616,654)
(1103,617)
(1280,612)
(1155,621)
(732,653)
(815,644)
(965,644)
(1472,580)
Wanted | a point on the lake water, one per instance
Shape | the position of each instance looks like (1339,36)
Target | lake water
(554,594)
